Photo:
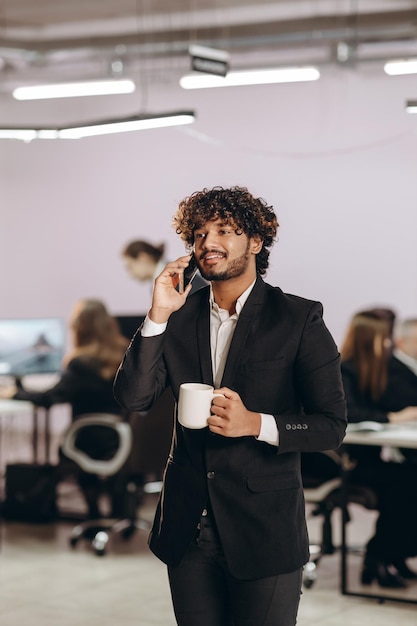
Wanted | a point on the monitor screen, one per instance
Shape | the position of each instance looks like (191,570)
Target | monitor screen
(129,324)
(31,346)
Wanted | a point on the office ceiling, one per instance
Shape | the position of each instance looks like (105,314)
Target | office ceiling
(50,40)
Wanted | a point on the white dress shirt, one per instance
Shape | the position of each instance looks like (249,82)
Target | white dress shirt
(222,327)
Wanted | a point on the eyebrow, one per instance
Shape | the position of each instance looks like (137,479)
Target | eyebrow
(229,222)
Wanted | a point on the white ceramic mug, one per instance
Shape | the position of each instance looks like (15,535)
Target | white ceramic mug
(194,404)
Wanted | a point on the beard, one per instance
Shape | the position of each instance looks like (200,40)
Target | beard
(236,268)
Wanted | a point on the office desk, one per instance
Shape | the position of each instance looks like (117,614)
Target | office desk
(392,435)
(9,408)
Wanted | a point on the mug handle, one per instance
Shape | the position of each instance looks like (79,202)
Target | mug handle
(217,395)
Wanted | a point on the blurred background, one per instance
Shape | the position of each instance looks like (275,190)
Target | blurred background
(336,156)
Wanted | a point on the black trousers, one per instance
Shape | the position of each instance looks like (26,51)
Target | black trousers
(204,593)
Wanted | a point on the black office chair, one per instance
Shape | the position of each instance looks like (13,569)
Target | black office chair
(323,483)
(144,444)
(103,463)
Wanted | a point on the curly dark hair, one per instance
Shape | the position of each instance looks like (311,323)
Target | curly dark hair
(251,216)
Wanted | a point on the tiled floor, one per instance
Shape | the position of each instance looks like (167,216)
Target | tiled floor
(44,582)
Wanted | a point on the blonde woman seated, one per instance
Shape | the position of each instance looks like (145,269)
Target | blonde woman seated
(86,383)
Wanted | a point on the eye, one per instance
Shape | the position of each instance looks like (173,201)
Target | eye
(199,235)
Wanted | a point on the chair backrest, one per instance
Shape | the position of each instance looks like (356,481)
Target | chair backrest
(102,467)
(322,474)
(318,468)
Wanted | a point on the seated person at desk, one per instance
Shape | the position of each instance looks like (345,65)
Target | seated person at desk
(401,390)
(402,368)
(86,383)
(365,353)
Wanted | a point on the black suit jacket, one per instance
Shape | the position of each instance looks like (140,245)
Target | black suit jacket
(282,361)
(401,392)
(401,388)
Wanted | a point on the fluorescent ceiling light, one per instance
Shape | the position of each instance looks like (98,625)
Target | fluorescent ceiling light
(250,77)
(142,122)
(72,90)
(411,106)
(398,68)
(126,125)
(28,134)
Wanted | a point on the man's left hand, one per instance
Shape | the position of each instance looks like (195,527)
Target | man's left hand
(230,416)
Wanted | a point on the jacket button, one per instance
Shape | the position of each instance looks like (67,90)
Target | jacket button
(210,475)
(204,513)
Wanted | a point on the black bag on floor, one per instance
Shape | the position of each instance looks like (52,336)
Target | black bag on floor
(30,492)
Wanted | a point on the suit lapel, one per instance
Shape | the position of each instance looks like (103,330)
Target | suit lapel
(203,341)
(239,345)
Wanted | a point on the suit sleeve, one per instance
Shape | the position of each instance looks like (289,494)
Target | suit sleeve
(321,422)
(141,377)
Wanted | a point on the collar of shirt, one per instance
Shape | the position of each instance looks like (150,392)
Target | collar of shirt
(222,328)
(239,302)
(406,359)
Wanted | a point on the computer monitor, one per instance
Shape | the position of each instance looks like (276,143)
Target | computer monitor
(31,346)
(129,324)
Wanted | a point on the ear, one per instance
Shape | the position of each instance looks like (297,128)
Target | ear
(256,244)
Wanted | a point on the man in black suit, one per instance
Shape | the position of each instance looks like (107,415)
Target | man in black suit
(402,368)
(401,391)
(230,522)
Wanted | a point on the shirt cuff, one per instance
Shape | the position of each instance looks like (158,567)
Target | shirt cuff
(269,430)
(151,329)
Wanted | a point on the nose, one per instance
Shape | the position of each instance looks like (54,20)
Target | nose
(209,241)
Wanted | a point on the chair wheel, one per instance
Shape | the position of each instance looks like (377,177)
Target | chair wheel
(310,574)
(99,542)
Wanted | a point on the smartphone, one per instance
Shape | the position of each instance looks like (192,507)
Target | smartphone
(188,275)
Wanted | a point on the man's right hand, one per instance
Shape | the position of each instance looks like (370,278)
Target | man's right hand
(165,298)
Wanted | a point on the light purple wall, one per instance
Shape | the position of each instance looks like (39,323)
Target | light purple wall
(336,158)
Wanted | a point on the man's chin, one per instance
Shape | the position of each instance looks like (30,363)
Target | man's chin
(213,276)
